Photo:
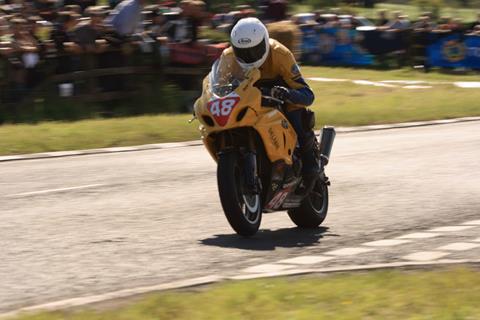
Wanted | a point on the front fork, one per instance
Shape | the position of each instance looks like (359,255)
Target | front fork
(250,172)
(250,167)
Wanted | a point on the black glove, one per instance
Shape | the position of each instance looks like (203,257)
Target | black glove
(280,93)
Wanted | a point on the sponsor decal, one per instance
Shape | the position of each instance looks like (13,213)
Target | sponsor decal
(273,138)
(244,40)
(454,51)
(280,197)
(295,69)
(222,108)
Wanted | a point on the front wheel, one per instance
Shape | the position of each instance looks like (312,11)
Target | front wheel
(313,209)
(242,210)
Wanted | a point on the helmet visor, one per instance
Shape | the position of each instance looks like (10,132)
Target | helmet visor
(252,54)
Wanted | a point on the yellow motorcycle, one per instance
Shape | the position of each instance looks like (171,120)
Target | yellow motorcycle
(255,147)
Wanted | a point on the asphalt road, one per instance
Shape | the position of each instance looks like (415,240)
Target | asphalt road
(82,225)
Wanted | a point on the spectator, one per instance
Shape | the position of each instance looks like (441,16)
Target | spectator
(276,10)
(457,25)
(424,23)
(475,31)
(382,18)
(159,24)
(318,17)
(126,18)
(399,22)
(185,28)
(332,20)
(476,23)
(5,31)
(26,56)
(63,38)
(89,34)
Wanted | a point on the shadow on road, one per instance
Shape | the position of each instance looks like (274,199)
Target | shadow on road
(269,239)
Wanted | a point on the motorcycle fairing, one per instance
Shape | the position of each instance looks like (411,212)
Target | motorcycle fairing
(278,136)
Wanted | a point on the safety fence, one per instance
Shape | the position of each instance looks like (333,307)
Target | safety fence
(122,81)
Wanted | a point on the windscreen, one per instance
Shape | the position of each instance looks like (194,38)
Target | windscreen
(225,76)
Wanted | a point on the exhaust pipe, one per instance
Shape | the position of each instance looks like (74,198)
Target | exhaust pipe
(326,144)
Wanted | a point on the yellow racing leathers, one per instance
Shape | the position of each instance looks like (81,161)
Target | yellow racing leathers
(281,69)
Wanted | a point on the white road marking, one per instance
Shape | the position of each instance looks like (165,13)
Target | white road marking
(419,235)
(409,84)
(267,267)
(417,87)
(373,83)
(467,85)
(425,255)
(459,246)
(306,260)
(451,228)
(473,223)
(327,79)
(33,193)
(348,251)
(385,243)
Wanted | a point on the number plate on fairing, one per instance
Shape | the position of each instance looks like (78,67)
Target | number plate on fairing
(221,108)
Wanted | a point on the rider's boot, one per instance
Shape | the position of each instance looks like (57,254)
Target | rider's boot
(311,168)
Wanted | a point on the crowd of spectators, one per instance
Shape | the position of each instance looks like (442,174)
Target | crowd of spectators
(62,36)
(387,21)
(58,37)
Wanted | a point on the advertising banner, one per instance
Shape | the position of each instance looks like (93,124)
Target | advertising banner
(333,46)
(455,51)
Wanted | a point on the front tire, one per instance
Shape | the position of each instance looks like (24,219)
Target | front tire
(313,209)
(243,211)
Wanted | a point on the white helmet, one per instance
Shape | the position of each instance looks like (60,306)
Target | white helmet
(250,42)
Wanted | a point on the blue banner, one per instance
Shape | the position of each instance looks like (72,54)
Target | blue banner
(455,51)
(333,46)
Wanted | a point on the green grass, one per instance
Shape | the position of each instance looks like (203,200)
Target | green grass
(395,74)
(440,295)
(100,133)
(340,104)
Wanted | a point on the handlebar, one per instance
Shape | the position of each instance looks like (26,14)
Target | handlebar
(269,101)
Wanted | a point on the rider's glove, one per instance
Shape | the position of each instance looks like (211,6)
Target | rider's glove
(280,93)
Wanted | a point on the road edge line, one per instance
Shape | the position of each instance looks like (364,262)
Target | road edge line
(192,143)
(212,279)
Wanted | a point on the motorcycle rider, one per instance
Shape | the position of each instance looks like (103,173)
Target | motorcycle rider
(280,78)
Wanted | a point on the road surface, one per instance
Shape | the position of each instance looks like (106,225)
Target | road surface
(77,226)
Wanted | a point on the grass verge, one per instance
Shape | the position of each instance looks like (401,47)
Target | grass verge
(337,103)
(441,295)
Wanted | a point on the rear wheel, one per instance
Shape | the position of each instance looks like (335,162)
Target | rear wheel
(313,209)
(243,210)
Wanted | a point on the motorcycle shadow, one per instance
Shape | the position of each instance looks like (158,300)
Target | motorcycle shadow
(266,240)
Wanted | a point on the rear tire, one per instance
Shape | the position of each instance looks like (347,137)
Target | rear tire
(243,212)
(313,209)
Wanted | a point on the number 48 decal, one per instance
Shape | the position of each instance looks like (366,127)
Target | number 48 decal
(222,108)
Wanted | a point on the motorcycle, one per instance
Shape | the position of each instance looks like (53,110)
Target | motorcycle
(258,161)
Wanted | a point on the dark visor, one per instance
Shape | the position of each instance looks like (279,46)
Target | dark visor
(252,54)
